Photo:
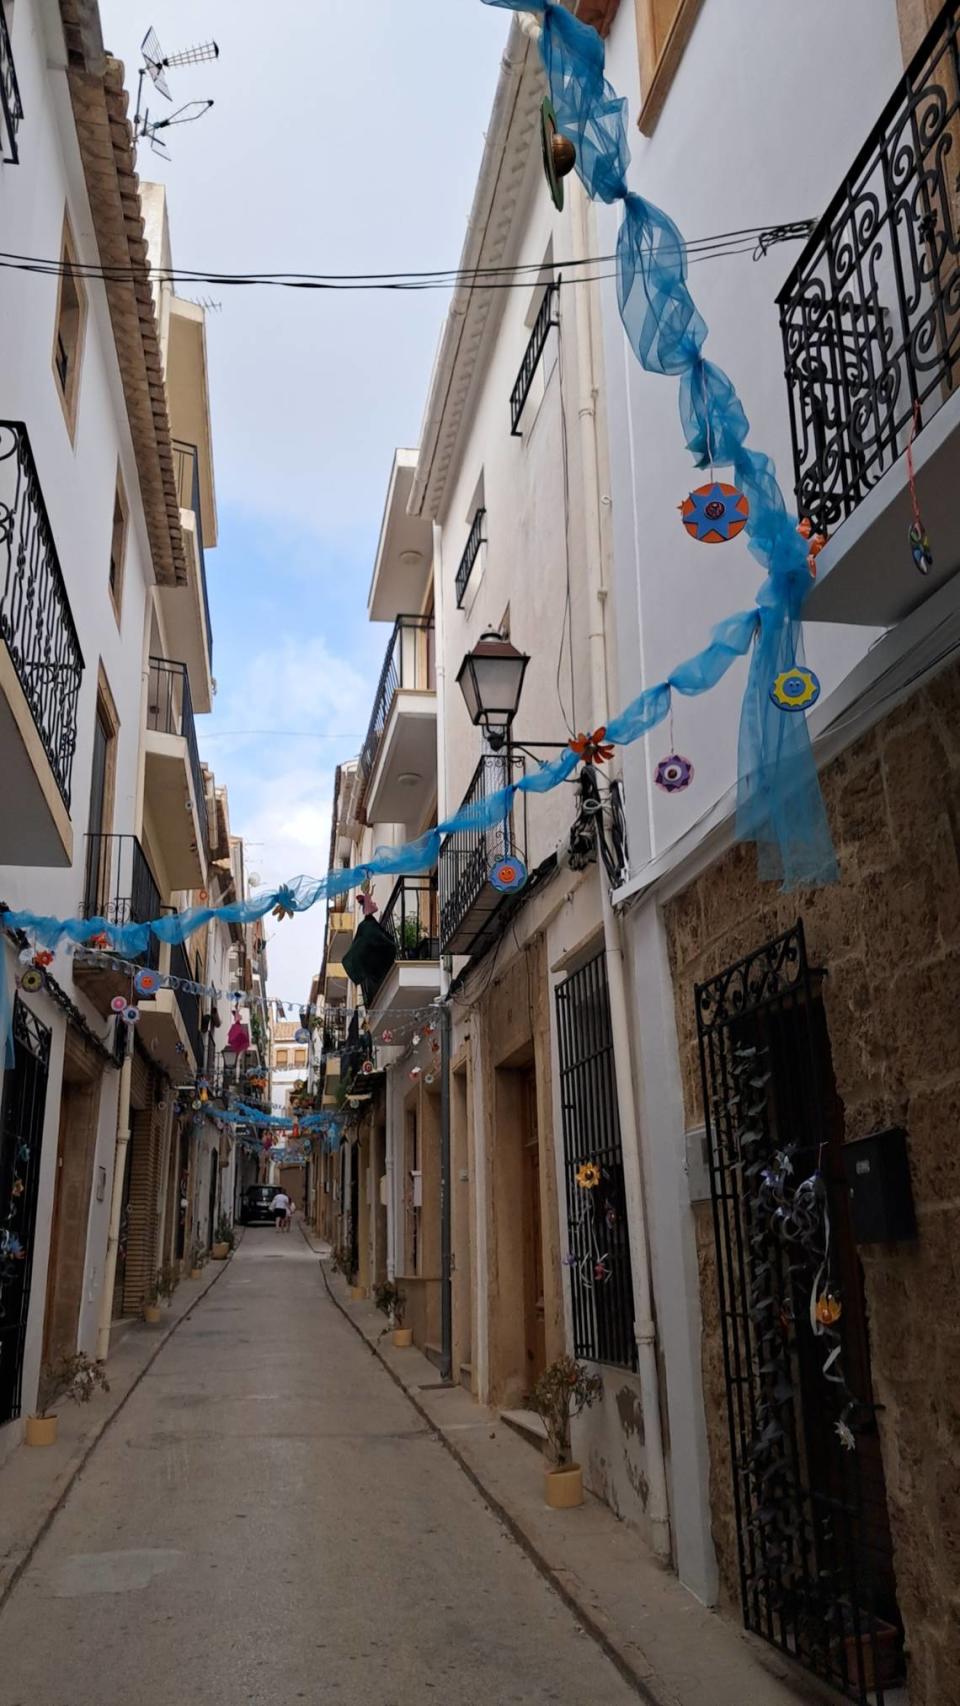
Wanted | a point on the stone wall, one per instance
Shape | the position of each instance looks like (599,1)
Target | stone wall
(889,936)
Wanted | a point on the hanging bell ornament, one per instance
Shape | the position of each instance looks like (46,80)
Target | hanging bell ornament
(559,153)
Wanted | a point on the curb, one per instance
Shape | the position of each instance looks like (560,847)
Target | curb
(646,1690)
(86,1450)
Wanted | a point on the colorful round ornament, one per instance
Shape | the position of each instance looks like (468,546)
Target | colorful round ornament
(588,1175)
(428,1078)
(828,1308)
(43,957)
(795,690)
(31,980)
(118,1004)
(131,1015)
(715,513)
(508,875)
(920,547)
(386,1036)
(674,773)
(367,1068)
(301,1036)
(146,982)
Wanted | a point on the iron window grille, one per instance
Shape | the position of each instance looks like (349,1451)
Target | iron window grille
(36,621)
(21,1143)
(813,1540)
(120,887)
(170,712)
(546,319)
(869,314)
(410,918)
(187,1001)
(186,465)
(598,1259)
(408,663)
(11,106)
(467,856)
(471,552)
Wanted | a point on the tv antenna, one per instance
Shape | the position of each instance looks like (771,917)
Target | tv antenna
(155,65)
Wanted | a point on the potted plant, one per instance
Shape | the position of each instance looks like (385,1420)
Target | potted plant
(164,1285)
(197,1259)
(77,1378)
(392,1302)
(223,1239)
(564,1391)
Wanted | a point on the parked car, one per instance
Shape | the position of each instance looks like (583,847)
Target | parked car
(256,1204)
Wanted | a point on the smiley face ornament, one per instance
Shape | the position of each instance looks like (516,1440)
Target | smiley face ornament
(795,689)
(715,513)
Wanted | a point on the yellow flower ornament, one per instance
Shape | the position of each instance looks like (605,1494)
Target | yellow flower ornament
(588,1176)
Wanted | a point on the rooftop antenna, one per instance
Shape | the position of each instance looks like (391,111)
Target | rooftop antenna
(155,65)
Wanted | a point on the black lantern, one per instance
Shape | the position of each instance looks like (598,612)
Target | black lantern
(491,681)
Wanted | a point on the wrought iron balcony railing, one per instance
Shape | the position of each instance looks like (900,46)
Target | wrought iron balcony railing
(471,552)
(187,469)
(170,712)
(533,355)
(35,616)
(188,1003)
(870,315)
(120,887)
(410,917)
(11,107)
(409,663)
(467,856)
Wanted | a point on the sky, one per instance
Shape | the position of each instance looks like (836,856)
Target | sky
(346,136)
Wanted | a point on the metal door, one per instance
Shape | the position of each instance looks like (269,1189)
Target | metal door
(21,1140)
(813,1536)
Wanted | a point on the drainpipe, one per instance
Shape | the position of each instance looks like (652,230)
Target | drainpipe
(116,1200)
(446,1017)
(658,1510)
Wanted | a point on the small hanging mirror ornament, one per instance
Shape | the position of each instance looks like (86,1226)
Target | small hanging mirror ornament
(559,153)
(674,773)
(715,513)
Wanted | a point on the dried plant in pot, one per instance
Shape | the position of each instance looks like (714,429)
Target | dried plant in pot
(198,1257)
(164,1285)
(76,1378)
(392,1302)
(223,1239)
(564,1391)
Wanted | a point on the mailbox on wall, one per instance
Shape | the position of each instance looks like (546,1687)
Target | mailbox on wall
(881,1191)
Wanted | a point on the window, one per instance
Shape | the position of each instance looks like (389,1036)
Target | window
(541,354)
(68,338)
(471,562)
(601,1282)
(282,1056)
(300,1057)
(663,29)
(118,546)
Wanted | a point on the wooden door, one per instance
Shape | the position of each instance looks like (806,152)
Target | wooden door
(533,1291)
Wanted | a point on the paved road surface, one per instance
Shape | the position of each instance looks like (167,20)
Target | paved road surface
(268,1521)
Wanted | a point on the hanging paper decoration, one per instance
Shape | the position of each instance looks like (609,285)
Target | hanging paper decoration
(43,958)
(795,690)
(588,1175)
(118,1004)
(301,1036)
(286,903)
(715,513)
(674,773)
(508,875)
(131,1015)
(815,543)
(593,749)
(920,547)
(146,982)
(31,980)
(414,1072)
(238,1037)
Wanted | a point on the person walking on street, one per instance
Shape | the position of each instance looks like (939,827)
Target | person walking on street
(281,1211)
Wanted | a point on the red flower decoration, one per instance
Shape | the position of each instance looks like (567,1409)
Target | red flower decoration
(42,958)
(816,541)
(591,748)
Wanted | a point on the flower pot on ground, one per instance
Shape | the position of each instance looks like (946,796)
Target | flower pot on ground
(392,1302)
(564,1391)
(151,1313)
(76,1378)
(223,1239)
(879,1657)
(220,1252)
(41,1430)
(197,1258)
(161,1291)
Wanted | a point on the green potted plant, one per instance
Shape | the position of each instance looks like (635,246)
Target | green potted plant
(197,1259)
(77,1378)
(161,1291)
(564,1391)
(392,1302)
(223,1239)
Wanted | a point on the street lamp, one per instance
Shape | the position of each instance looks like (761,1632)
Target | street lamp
(491,681)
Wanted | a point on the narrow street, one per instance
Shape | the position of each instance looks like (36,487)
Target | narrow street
(269,1518)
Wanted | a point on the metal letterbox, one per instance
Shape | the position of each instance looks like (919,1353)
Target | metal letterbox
(881,1192)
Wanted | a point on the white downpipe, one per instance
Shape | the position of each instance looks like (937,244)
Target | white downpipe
(658,1510)
(116,1204)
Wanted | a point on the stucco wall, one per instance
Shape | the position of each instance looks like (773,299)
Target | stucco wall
(888,935)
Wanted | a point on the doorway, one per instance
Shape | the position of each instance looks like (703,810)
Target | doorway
(462,1173)
(517,1324)
(21,1143)
(76,1153)
(813,1534)
(212,1198)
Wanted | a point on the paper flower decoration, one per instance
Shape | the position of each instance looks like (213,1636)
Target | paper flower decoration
(593,749)
(386,1036)
(816,542)
(715,513)
(31,979)
(146,982)
(286,903)
(674,773)
(99,941)
(795,690)
(43,957)
(367,1068)
(588,1175)
(131,1015)
(508,875)
(920,548)
(238,1037)
(414,1072)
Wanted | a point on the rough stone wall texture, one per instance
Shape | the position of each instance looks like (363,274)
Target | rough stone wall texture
(889,936)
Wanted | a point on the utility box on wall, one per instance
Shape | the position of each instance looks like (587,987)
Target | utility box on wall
(881,1191)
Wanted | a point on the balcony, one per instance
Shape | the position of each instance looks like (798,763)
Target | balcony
(871,335)
(41,667)
(186,609)
(398,764)
(11,108)
(411,919)
(340,924)
(468,901)
(170,1020)
(175,791)
(542,326)
(120,888)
